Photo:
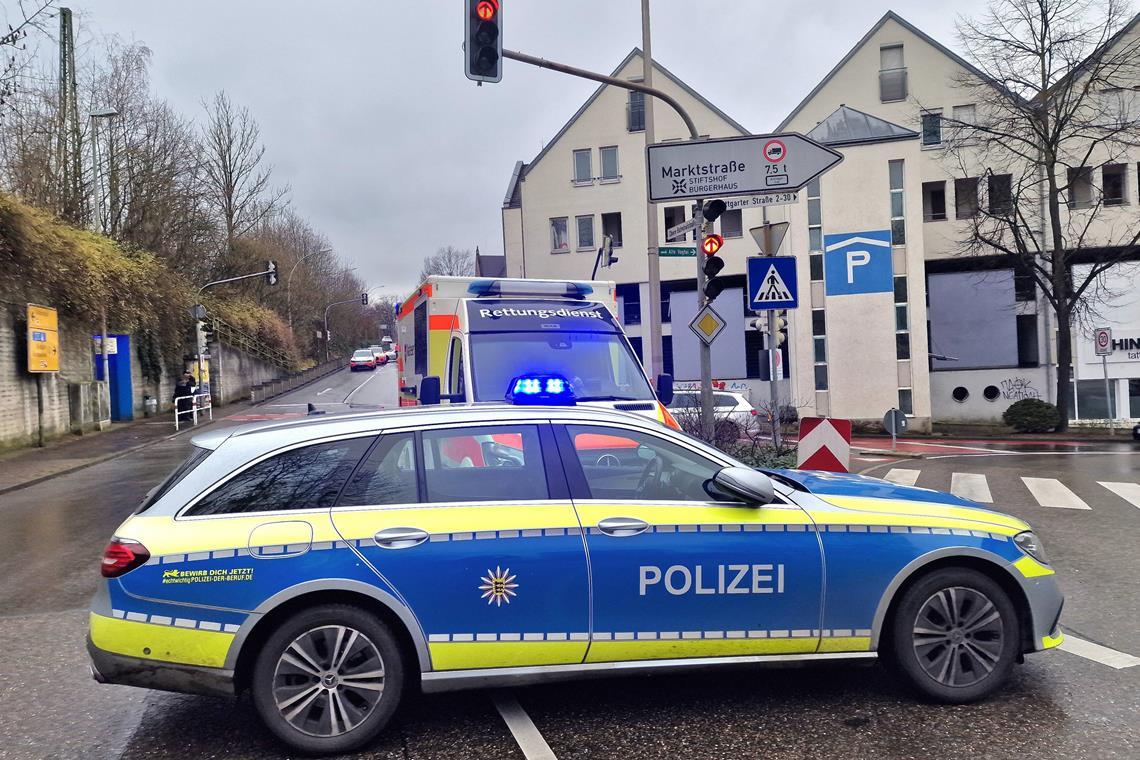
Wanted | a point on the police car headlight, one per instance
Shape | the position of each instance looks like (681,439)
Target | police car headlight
(1029,543)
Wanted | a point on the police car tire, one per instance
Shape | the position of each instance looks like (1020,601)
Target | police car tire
(902,652)
(315,617)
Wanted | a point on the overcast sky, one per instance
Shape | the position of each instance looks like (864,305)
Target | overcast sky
(392,152)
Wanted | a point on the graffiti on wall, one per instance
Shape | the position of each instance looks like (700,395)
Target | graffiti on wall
(1018,388)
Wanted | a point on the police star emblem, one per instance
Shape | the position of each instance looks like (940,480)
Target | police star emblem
(498,586)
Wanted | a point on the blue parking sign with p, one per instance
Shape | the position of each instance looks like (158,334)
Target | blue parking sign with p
(858,262)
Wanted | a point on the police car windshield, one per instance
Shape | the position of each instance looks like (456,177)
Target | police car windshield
(599,366)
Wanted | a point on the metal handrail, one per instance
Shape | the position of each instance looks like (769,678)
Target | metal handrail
(197,406)
(232,336)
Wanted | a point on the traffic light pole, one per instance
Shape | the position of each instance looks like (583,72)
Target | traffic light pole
(338,303)
(654,293)
(773,346)
(707,426)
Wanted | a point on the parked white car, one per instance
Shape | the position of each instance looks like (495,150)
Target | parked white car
(727,405)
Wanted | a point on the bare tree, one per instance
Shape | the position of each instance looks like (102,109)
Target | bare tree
(449,261)
(13,42)
(1055,110)
(237,176)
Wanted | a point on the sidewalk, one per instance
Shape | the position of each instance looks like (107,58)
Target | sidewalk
(25,467)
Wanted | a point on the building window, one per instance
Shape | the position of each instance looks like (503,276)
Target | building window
(1024,287)
(635,111)
(902,319)
(931,129)
(732,223)
(1027,341)
(1001,194)
(819,341)
(674,215)
(629,295)
(1113,176)
(583,167)
(585,231)
(966,198)
(1080,187)
(898,222)
(934,201)
(611,225)
(892,74)
(815,231)
(906,401)
(559,239)
(964,118)
(609,158)
(667,354)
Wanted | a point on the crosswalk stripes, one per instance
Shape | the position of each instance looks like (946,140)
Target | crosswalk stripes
(971,486)
(1130,492)
(1051,492)
(902,477)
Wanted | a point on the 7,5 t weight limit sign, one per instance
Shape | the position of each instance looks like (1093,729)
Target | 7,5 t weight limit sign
(732,166)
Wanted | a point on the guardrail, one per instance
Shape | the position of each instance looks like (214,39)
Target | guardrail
(294,380)
(200,402)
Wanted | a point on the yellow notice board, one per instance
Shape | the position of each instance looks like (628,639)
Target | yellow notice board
(43,339)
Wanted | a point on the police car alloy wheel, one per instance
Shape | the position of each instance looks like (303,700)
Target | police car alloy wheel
(955,635)
(328,679)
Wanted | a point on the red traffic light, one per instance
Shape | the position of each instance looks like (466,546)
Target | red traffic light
(711,244)
(485,9)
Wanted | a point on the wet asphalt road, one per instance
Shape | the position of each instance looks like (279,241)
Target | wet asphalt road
(1058,705)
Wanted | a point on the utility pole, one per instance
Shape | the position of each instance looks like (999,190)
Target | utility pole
(656,357)
(97,223)
(69,148)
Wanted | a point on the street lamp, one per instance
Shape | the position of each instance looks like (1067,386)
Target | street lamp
(289,280)
(97,216)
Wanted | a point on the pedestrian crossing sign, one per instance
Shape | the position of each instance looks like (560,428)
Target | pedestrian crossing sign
(772,283)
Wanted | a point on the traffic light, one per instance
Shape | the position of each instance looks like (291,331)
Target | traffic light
(484,42)
(781,329)
(271,273)
(363,299)
(713,210)
(712,244)
(713,266)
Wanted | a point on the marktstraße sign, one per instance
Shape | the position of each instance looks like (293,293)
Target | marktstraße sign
(725,167)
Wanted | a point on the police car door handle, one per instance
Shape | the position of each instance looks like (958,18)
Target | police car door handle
(622,526)
(400,538)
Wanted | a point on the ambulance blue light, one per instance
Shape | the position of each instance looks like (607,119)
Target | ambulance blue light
(551,390)
(548,288)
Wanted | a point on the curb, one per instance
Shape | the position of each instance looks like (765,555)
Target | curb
(886,453)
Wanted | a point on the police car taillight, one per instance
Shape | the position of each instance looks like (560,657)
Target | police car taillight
(122,556)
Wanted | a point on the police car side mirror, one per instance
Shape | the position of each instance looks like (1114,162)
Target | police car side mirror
(665,389)
(429,390)
(750,486)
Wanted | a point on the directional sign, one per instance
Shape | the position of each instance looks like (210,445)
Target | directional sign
(683,227)
(673,251)
(707,324)
(43,339)
(858,262)
(825,444)
(772,282)
(750,165)
(1102,341)
(757,201)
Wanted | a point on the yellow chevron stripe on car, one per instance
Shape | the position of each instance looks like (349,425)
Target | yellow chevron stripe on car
(504,654)
(470,518)
(187,646)
(166,535)
(899,512)
(1031,568)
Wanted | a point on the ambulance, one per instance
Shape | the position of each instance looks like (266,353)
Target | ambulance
(469,339)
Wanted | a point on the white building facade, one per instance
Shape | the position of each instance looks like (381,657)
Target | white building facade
(943,337)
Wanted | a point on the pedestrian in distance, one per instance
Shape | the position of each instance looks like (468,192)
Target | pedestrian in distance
(183,397)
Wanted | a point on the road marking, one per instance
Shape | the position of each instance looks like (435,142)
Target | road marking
(351,393)
(1097,653)
(530,741)
(902,477)
(326,390)
(1130,492)
(971,486)
(1050,492)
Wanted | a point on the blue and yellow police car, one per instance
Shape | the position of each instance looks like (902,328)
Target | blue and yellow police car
(329,564)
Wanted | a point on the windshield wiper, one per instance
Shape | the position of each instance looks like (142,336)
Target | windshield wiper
(607,398)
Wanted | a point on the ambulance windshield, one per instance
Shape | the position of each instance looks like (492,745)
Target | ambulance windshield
(599,366)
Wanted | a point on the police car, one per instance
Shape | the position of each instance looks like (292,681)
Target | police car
(330,564)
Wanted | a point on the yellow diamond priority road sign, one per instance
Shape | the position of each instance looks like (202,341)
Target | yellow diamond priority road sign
(707,324)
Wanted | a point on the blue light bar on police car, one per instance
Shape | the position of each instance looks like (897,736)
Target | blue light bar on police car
(550,288)
(550,390)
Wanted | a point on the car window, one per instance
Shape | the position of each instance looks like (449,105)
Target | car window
(489,463)
(197,454)
(723,400)
(362,355)
(306,478)
(685,401)
(387,476)
(632,465)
